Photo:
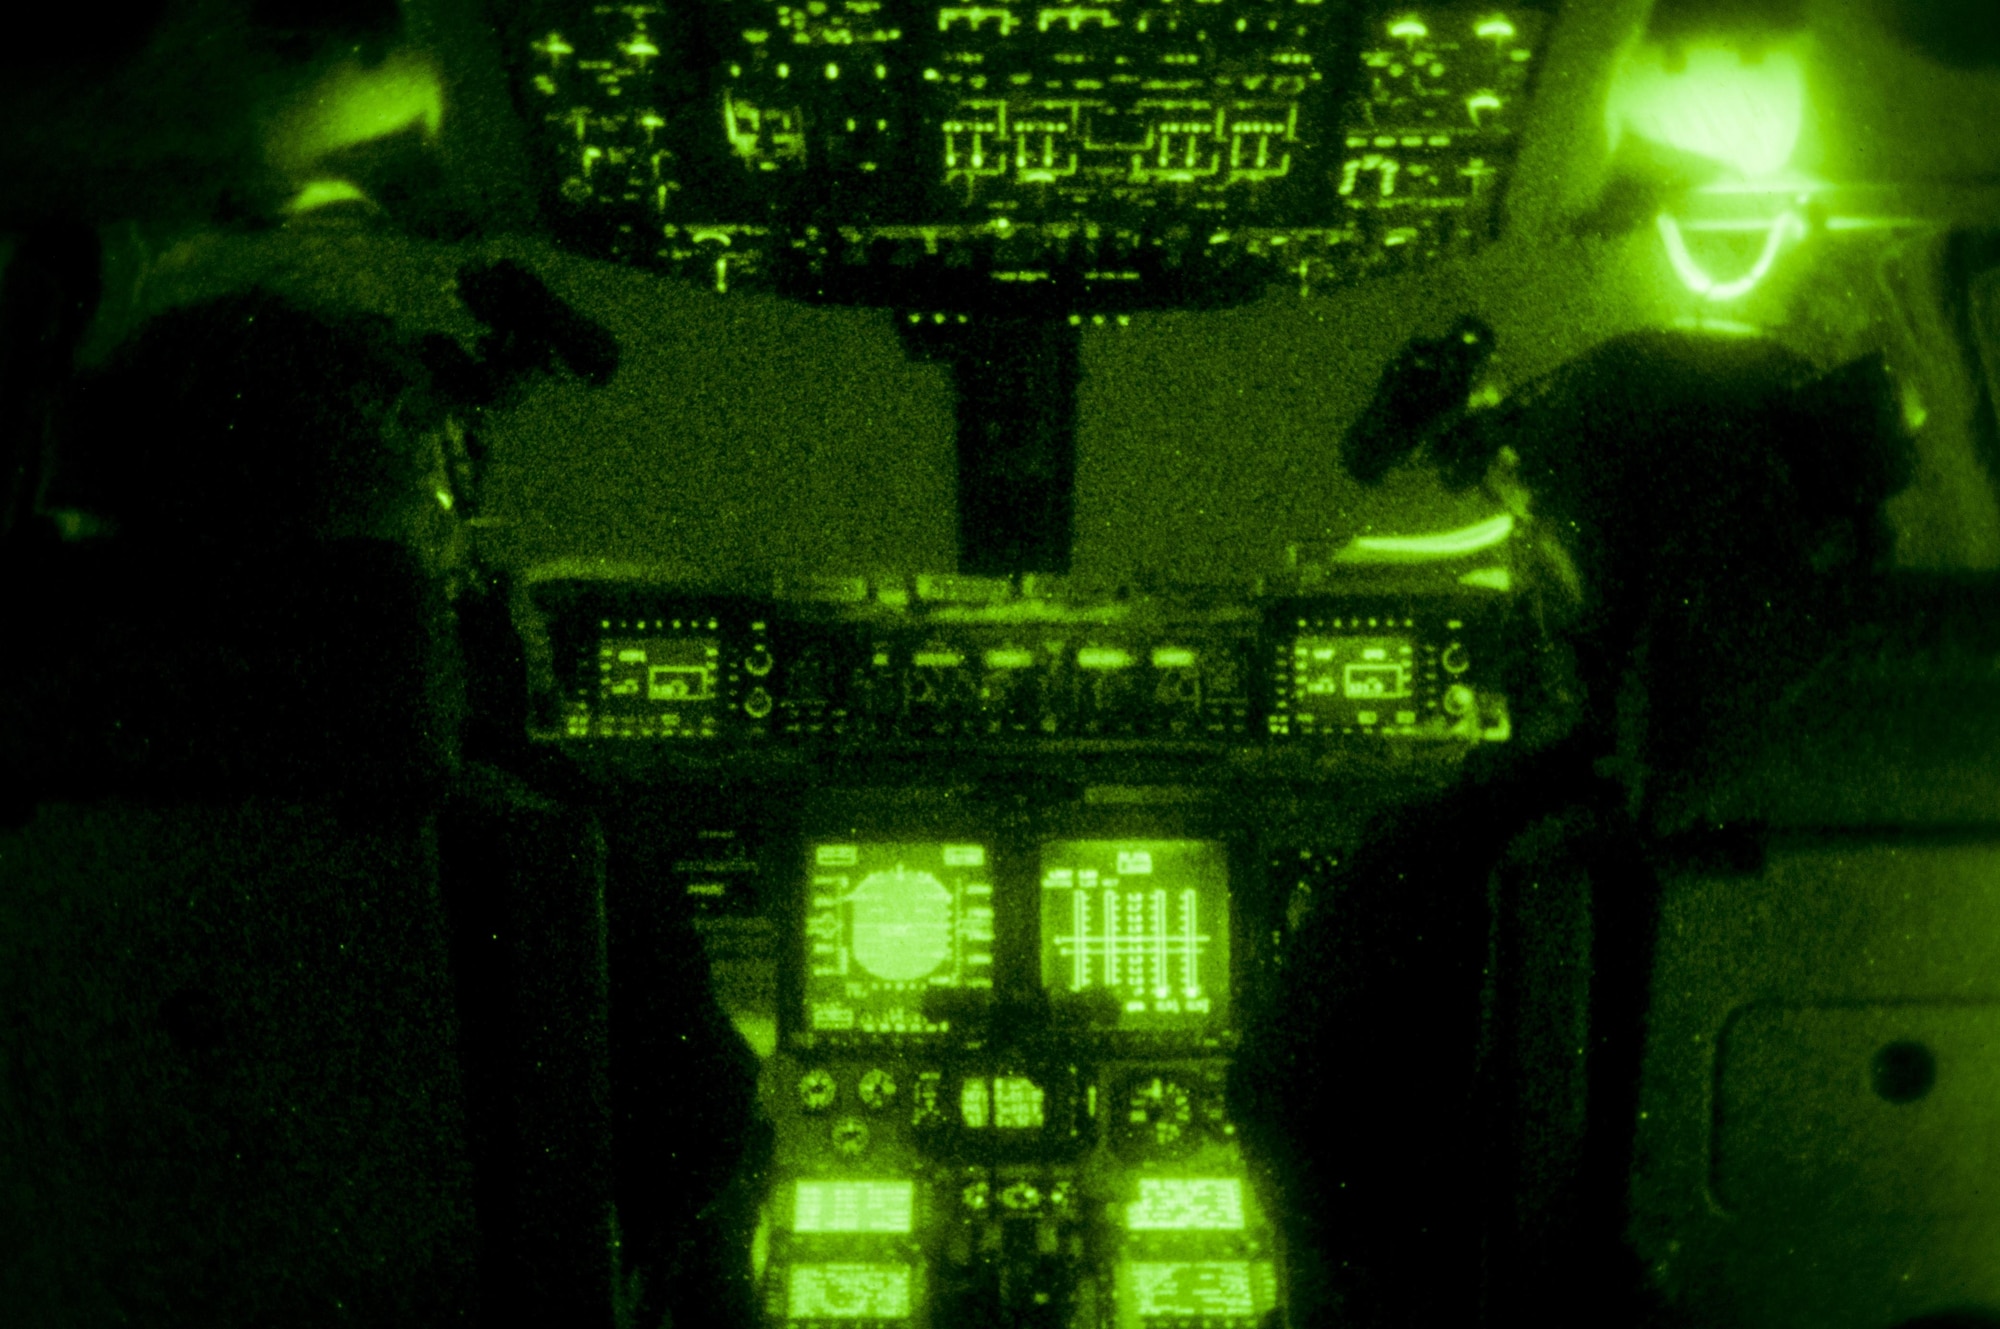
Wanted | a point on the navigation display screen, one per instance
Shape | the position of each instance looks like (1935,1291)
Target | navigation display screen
(889,923)
(1145,922)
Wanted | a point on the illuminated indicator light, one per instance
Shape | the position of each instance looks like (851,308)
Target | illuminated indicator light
(848,1291)
(639,48)
(1187,1204)
(881,659)
(1496,28)
(833,71)
(974,1102)
(443,498)
(755,36)
(932,75)
(853,1206)
(1481,101)
(1017,1103)
(784,71)
(1172,657)
(1009,658)
(881,71)
(1490,579)
(1783,227)
(1103,657)
(1410,29)
(937,659)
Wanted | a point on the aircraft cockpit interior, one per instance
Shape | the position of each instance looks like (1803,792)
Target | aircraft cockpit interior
(903,664)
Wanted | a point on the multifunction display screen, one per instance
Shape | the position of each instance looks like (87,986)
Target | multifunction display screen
(1145,921)
(853,1290)
(1176,1291)
(659,686)
(889,923)
(1354,680)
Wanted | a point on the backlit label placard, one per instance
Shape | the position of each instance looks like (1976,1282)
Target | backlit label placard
(1187,1204)
(853,1206)
(890,922)
(1146,920)
(852,1290)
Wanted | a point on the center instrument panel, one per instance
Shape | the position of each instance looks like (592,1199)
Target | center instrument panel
(990,874)
(890,669)
(999,1090)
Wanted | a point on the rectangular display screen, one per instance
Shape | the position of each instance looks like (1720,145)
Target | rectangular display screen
(848,1291)
(1224,1289)
(888,923)
(1146,921)
(1187,1204)
(853,1206)
(659,686)
(1354,680)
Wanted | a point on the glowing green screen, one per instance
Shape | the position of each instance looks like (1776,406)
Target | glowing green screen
(1147,920)
(1158,1289)
(848,1291)
(888,922)
(1187,1204)
(852,1206)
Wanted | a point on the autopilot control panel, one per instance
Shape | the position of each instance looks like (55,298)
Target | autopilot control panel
(1000,1089)
(887,669)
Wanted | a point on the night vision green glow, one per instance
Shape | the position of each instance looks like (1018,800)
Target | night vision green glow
(1006,1103)
(321,193)
(1187,1204)
(1713,101)
(848,1291)
(1438,544)
(1190,1288)
(353,104)
(1696,278)
(853,1206)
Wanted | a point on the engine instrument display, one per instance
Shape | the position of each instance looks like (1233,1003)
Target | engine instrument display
(1146,921)
(889,923)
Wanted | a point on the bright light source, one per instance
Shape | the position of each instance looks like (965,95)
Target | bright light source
(1785,226)
(1715,102)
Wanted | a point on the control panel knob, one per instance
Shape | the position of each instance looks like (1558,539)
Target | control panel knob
(757,703)
(1458,699)
(850,1137)
(1454,659)
(817,1090)
(758,662)
(877,1088)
